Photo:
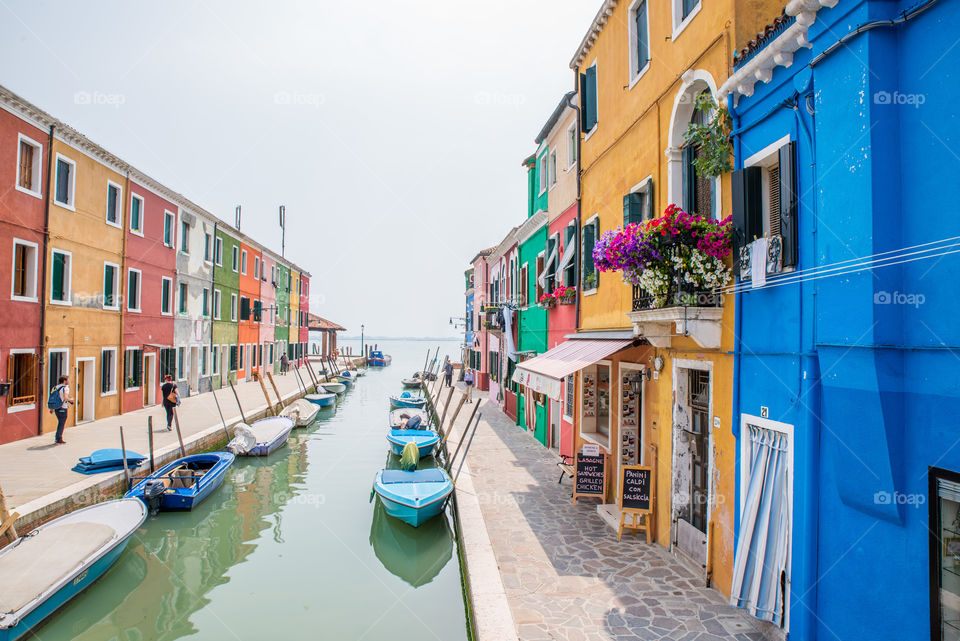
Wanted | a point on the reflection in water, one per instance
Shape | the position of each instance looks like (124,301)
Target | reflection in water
(289,547)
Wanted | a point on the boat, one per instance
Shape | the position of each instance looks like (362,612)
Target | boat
(261,438)
(399,418)
(334,387)
(414,555)
(411,382)
(46,568)
(321,400)
(301,411)
(378,359)
(413,497)
(425,440)
(349,373)
(406,399)
(184,483)
(108,460)
(345,380)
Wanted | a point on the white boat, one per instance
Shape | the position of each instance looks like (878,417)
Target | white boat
(400,417)
(261,438)
(301,411)
(334,387)
(49,566)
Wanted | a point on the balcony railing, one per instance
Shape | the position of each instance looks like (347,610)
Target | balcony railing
(679,294)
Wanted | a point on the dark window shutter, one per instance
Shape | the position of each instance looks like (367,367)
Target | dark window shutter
(643,48)
(789,203)
(584,107)
(632,208)
(647,213)
(689,179)
(588,97)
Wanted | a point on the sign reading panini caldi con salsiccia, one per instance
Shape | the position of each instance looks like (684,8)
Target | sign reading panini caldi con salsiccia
(635,488)
(590,476)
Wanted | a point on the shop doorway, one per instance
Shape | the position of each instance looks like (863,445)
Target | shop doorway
(554,425)
(149,379)
(630,417)
(692,458)
(86,389)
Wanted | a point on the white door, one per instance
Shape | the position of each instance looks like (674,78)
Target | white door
(194,369)
(150,379)
(86,389)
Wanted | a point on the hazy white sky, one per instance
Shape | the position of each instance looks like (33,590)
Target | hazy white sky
(393,131)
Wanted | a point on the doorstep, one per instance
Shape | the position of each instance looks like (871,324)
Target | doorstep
(610,515)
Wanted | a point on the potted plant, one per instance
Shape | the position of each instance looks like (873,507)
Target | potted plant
(564,295)
(547,300)
(590,281)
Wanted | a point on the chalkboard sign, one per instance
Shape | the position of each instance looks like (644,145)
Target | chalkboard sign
(590,476)
(635,486)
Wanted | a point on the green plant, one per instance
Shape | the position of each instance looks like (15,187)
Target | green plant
(590,281)
(713,139)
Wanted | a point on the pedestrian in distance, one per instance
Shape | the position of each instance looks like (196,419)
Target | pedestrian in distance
(171,398)
(284,363)
(57,403)
(468,384)
(448,373)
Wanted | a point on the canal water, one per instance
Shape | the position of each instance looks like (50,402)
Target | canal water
(291,547)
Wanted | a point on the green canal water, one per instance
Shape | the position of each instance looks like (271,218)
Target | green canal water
(289,548)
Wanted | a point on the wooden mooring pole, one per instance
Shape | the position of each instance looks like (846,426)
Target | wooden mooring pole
(263,388)
(7,520)
(276,391)
(153,467)
(176,420)
(123,453)
(237,398)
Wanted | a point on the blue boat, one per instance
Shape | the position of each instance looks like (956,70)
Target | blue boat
(413,497)
(425,441)
(323,400)
(378,359)
(46,568)
(186,481)
(406,399)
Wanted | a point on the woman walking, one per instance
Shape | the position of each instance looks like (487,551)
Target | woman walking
(171,398)
(58,401)
(468,384)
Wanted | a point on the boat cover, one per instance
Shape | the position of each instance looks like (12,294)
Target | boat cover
(414,436)
(41,561)
(410,457)
(406,395)
(243,440)
(431,475)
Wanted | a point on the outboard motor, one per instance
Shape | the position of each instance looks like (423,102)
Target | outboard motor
(413,423)
(153,495)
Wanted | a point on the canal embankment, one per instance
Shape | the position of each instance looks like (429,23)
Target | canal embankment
(36,476)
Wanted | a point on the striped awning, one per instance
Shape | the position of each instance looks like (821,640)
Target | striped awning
(544,373)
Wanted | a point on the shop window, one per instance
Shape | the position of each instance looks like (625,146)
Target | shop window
(603,400)
(22,376)
(945,554)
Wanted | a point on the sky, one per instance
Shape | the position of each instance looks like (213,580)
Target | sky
(393,131)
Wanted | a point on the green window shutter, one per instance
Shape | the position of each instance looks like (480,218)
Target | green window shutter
(689,180)
(789,203)
(647,213)
(108,279)
(59,275)
(632,208)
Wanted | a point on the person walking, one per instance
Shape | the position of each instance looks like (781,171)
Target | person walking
(284,363)
(448,373)
(468,384)
(171,398)
(57,402)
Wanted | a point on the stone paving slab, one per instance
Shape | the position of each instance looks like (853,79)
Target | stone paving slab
(565,576)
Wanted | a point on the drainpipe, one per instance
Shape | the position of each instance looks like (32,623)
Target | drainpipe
(576,271)
(43,277)
(121,352)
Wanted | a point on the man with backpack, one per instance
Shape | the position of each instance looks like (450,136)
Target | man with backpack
(57,403)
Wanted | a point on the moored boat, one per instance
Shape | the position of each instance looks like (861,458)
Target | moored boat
(410,382)
(321,400)
(345,380)
(46,568)
(406,416)
(261,438)
(406,399)
(301,411)
(378,359)
(333,387)
(413,497)
(184,483)
(425,440)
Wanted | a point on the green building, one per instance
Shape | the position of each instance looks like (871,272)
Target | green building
(281,330)
(226,306)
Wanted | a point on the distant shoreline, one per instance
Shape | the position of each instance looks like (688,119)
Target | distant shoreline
(402,338)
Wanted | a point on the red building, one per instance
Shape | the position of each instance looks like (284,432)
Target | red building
(24,171)
(562,321)
(148,337)
(248,329)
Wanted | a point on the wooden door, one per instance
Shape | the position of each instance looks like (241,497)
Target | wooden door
(81,399)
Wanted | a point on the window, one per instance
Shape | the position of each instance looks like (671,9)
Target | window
(233,358)
(166,295)
(538,292)
(590,276)
(133,368)
(184,237)
(273,275)
(111,283)
(114,200)
(181,365)
(699,195)
(571,146)
(236,259)
(58,366)
(22,376)
(24,270)
(638,204)
(233,307)
(683,12)
(136,214)
(133,290)
(242,364)
(183,298)
(257,311)
(256,267)
(588,99)
(639,40)
(523,286)
(243,262)
(553,167)
(603,400)
(270,352)
(108,371)
(207,247)
(569,397)
(29,154)
(206,303)
(203,361)
(544,172)
(216,359)
(61,267)
(568,265)
(550,266)
(168,362)
(168,229)
(244,308)
(65,182)
(216,304)
(253,355)
(218,251)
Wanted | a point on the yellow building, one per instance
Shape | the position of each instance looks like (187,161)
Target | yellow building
(86,284)
(665,400)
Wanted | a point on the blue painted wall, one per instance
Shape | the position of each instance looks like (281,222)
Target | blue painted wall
(869,385)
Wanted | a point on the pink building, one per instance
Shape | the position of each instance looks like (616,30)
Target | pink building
(477,357)
(501,263)
(268,300)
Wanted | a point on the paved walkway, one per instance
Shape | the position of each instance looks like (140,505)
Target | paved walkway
(35,473)
(564,574)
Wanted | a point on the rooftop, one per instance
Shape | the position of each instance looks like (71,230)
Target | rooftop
(320,323)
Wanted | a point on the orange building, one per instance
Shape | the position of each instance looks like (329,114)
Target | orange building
(248,329)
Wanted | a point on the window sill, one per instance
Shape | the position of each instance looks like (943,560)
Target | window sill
(597,439)
(679,28)
(137,232)
(640,74)
(586,136)
(116,225)
(66,206)
(133,311)
(589,292)
(111,309)
(21,408)
(104,394)
(65,303)
(29,192)
(131,389)
(25,299)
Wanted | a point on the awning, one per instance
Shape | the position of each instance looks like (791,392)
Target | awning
(544,373)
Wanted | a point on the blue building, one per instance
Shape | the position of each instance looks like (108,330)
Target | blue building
(847,364)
